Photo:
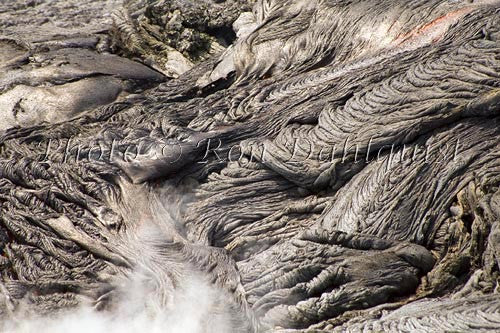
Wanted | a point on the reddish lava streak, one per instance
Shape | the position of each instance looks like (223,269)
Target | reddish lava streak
(435,29)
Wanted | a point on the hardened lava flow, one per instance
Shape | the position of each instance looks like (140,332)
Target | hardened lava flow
(324,165)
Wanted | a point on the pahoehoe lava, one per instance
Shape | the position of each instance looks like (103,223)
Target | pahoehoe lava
(329,165)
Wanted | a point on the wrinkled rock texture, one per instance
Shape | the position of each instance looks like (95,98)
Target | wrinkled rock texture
(331,165)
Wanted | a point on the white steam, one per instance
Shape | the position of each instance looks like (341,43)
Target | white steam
(193,312)
(162,294)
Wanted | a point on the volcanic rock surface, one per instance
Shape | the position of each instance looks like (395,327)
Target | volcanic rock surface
(327,165)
